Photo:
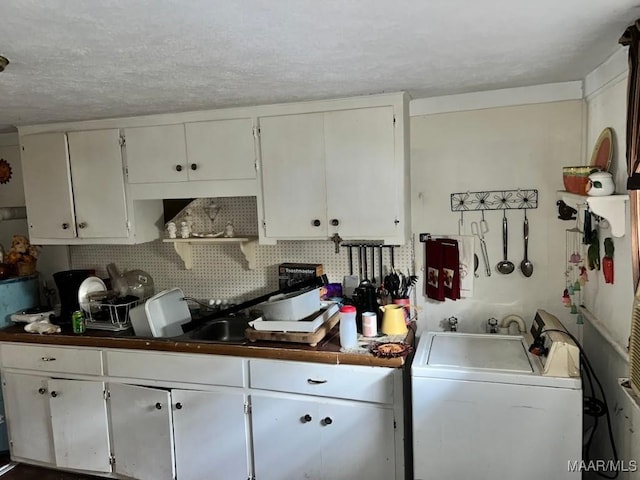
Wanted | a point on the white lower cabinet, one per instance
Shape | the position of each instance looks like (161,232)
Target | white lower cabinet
(57,421)
(320,439)
(161,434)
(164,416)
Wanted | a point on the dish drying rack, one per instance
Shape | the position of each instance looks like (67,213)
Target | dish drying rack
(110,316)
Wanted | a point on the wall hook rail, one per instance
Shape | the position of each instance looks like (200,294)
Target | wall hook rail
(519,199)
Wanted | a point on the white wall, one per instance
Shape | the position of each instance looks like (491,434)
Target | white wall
(493,149)
(611,304)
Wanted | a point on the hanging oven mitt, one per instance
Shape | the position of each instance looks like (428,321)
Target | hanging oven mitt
(433,286)
(450,268)
(607,260)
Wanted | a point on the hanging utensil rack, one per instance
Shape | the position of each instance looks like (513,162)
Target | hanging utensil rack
(520,199)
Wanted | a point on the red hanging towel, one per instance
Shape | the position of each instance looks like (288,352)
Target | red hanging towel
(433,286)
(450,268)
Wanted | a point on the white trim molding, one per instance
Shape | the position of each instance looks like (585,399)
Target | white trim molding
(613,69)
(550,92)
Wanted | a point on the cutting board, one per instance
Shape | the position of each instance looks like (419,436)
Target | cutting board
(311,338)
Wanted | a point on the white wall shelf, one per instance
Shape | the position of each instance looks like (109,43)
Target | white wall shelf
(183,247)
(611,207)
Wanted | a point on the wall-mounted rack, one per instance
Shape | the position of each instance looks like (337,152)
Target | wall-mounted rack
(519,199)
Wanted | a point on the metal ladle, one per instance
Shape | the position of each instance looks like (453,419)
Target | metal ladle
(526,266)
(504,266)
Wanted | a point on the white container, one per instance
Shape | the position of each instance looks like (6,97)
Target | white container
(348,331)
(291,307)
(369,324)
(600,184)
(162,315)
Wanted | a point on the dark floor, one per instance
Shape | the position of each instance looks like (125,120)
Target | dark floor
(29,472)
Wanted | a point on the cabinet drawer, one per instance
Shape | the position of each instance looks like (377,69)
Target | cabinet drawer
(52,359)
(372,384)
(205,369)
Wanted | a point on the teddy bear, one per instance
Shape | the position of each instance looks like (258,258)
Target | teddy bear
(22,252)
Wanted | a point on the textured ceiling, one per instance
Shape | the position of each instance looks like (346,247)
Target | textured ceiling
(83,59)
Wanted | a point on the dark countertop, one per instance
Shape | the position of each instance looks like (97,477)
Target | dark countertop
(327,350)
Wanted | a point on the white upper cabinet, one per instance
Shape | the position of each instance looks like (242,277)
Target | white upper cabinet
(98,184)
(221,150)
(75,191)
(293,176)
(156,154)
(47,186)
(362,173)
(342,171)
(186,160)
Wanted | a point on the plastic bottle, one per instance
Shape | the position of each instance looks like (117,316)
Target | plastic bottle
(348,331)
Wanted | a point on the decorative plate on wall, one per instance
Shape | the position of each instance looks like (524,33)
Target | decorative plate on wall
(603,150)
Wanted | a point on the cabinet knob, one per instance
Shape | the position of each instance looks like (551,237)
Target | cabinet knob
(42,391)
(178,168)
(178,406)
(54,393)
(158,406)
(327,421)
(82,225)
(48,359)
(316,223)
(306,418)
(65,226)
(335,222)
(194,166)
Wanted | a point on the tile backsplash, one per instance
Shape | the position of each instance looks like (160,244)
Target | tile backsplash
(220,271)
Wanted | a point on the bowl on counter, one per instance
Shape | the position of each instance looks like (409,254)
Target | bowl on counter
(576,178)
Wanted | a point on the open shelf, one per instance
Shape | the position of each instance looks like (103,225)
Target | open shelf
(610,207)
(183,247)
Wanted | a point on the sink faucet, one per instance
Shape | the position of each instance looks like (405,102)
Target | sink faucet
(453,324)
(492,325)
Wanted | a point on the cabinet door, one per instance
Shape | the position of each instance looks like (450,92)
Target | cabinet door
(285,439)
(210,435)
(156,154)
(141,429)
(221,150)
(28,419)
(357,441)
(293,176)
(98,184)
(47,186)
(79,424)
(363,183)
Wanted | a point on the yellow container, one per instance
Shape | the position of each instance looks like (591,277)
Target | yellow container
(393,320)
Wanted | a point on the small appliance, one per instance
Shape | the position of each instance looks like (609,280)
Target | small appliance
(68,283)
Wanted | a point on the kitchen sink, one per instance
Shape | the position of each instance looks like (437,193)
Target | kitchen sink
(221,330)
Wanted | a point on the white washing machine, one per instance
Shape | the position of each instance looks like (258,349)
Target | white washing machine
(485,408)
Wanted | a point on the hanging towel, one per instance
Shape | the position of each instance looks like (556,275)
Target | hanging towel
(450,268)
(434,287)
(466,252)
(442,267)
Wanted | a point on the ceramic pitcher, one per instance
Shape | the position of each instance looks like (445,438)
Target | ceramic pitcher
(393,319)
